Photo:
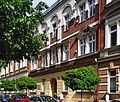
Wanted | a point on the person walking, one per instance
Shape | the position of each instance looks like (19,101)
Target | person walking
(107,97)
(55,96)
(61,97)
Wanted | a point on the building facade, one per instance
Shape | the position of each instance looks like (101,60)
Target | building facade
(71,26)
(109,61)
(81,33)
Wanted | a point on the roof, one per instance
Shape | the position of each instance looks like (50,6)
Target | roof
(52,7)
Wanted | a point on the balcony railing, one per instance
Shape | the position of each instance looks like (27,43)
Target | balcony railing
(115,50)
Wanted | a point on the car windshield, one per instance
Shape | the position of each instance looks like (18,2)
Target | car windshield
(48,99)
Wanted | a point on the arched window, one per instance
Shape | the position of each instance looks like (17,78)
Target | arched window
(54,22)
(67,16)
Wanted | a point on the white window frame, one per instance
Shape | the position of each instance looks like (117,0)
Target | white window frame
(92,43)
(112,77)
(82,46)
(11,66)
(82,13)
(6,70)
(67,20)
(17,65)
(92,7)
(66,52)
(34,64)
(2,71)
(65,87)
(53,57)
(55,30)
(111,32)
(44,60)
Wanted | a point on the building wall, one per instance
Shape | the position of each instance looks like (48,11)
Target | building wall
(48,77)
(109,56)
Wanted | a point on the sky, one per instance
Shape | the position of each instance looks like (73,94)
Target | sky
(48,2)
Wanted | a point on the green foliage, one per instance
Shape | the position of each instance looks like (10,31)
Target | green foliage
(18,84)
(83,78)
(8,85)
(18,23)
(26,83)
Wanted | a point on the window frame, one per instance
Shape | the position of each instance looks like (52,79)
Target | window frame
(44,60)
(93,43)
(82,13)
(66,52)
(111,33)
(67,21)
(34,63)
(92,6)
(82,46)
(53,57)
(112,77)
(55,30)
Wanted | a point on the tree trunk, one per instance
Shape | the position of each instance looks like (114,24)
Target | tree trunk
(81,95)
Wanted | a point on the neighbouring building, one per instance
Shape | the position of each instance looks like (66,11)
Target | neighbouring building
(109,61)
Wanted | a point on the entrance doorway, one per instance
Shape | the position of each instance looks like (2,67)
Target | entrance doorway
(53,83)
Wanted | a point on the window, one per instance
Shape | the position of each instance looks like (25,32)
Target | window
(23,63)
(92,7)
(44,60)
(82,46)
(83,13)
(43,85)
(113,32)
(11,66)
(33,64)
(66,52)
(53,56)
(2,71)
(17,65)
(55,30)
(92,43)
(112,81)
(65,87)
(7,70)
(67,19)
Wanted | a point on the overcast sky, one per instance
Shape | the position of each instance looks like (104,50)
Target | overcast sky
(48,2)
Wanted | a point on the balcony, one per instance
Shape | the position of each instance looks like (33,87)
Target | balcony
(115,50)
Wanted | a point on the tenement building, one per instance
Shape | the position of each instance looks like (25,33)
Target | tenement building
(81,33)
(109,61)
(71,26)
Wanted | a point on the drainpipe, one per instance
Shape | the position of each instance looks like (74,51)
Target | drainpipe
(98,71)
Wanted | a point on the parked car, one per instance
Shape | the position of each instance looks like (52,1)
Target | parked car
(116,100)
(4,97)
(18,98)
(42,98)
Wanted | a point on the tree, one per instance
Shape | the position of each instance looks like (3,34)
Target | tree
(83,78)
(18,23)
(21,83)
(26,83)
(8,85)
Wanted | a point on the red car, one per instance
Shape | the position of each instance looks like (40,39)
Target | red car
(18,98)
